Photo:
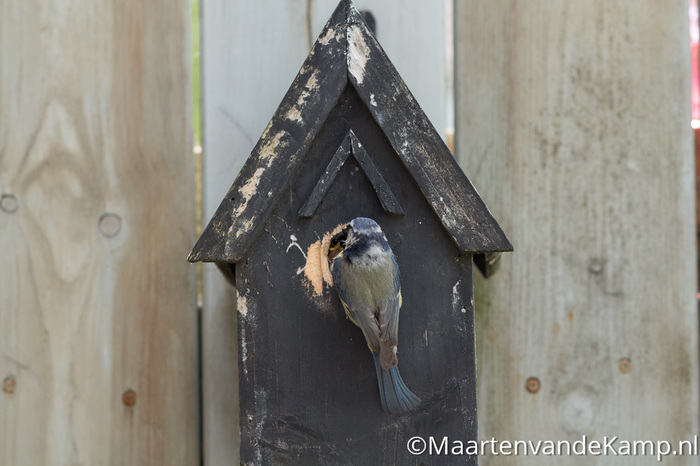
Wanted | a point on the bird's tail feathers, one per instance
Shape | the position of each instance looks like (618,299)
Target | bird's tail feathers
(387,354)
(396,398)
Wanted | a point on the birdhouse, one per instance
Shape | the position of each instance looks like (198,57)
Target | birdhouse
(349,140)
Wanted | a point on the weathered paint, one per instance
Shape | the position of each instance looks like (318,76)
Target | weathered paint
(310,87)
(326,37)
(272,146)
(420,147)
(248,190)
(358,53)
(290,132)
(242,306)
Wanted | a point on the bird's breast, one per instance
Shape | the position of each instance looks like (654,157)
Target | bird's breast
(370,282)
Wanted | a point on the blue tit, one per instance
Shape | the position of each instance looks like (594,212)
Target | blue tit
(366,275)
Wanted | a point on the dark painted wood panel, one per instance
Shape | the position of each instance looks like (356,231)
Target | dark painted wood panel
(308,386)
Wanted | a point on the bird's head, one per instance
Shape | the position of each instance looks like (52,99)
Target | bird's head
(360,236)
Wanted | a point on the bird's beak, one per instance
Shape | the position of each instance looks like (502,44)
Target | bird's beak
(337,243)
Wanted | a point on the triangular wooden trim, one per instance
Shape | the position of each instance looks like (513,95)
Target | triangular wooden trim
(324,183)
(351,145)
(386,197)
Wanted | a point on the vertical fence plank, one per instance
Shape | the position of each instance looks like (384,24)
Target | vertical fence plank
(96,220)
(251,52)
(573,122)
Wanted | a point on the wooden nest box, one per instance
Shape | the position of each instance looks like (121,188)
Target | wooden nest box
(349,140)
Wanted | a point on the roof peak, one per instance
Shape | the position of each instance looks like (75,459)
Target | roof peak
(347,53)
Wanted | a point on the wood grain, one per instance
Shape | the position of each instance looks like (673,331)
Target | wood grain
(573,123)
(96,297)
(242,87)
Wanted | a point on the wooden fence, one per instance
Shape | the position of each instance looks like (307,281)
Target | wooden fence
(97,301)
(574,123)
(572,120)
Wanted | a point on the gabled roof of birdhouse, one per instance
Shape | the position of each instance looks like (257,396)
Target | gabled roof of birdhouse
(347,52)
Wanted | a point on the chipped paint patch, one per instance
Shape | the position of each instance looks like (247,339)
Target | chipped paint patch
(267,130)
(242,304)
(305,69)
(247,191)
(312,83)
(271,146)
(251,185)
(300,102)
(317,270)
(245,228)
(326,38)
(358,53)
(455,296)
(449,222)
(244,350)
(294,113)
(310,86)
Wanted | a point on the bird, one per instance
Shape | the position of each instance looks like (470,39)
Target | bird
(366,277)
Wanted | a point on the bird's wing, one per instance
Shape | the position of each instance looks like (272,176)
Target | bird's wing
(389,313)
